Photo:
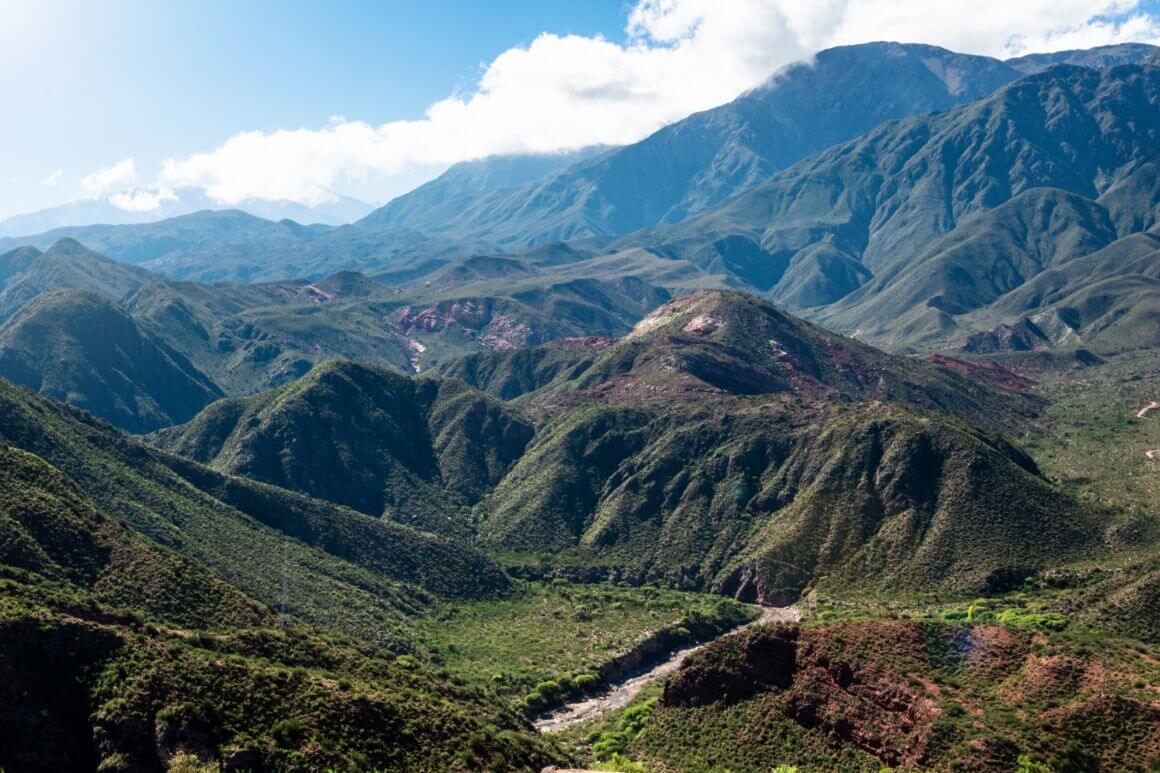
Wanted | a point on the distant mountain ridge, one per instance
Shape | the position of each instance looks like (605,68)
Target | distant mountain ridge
(900,232)
(184,201)
(699,161)
(506,203)
(122,325)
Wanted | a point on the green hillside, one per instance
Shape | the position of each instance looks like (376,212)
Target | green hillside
(418,451)
(726,445)
(119,654)
(76,346)
(342,570)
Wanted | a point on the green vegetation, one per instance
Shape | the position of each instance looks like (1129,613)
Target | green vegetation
(336,568)
(1089,438)
(564,633)
(118,653)
(419,451)
(76,346)
(88,687)
(863,694)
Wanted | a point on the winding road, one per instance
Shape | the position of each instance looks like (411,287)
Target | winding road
(619,693)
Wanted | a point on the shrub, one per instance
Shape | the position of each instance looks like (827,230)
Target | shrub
(549,690)
(1043,621)
(288,733)
(610,743)
(1027,765)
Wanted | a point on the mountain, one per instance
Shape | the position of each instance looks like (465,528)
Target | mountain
(721,445)
(898,233)
(76,346)
(121,653)
(1099,57)
(193,238)
(727,446)
(147,242)
(698,161)
(417,451)
(65,265)
(184,201)
(246,338)
(468,179)
(1106,298)
(842,695)
(352,574)
(507,203)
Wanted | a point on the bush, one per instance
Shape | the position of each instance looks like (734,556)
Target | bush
(634,719)
(610,743)
(1043,621)
(550,690)
(585,682)
(288,733)
(1027,765)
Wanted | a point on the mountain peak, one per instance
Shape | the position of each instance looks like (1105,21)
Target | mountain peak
(66,245)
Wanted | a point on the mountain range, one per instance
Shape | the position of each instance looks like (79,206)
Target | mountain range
(183,201)
(874,343)
(857,236)
(598,465)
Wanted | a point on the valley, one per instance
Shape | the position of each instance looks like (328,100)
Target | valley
(619,694)
(816,430)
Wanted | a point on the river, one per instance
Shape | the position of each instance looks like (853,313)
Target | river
(619,693)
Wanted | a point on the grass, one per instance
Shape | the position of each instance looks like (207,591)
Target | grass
(1089,439)
(548,631)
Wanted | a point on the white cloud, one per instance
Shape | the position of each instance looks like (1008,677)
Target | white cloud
(52,179)
(110,179)
(142,199)
(679,56)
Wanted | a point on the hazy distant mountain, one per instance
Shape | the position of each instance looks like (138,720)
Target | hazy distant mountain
(223,232)
(696,163)
(471,178)
(1099,57)
(85,212)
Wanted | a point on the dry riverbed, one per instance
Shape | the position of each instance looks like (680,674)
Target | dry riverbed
(619,693)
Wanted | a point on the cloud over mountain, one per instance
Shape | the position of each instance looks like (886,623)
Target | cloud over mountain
(563,92)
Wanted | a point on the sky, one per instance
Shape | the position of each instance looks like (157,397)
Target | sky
(130,100)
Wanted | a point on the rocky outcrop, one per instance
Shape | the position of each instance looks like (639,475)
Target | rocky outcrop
(761,659)
(820,686)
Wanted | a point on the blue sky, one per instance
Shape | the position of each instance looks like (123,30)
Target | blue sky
(302,100)
(86,84)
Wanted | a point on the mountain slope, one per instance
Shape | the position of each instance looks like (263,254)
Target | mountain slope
(76,346)
(904,204)
(416,451)
(251,337)
(725,445)
(468,179)
(66,264)
(696,162)
(50,528)
(349,573)
(119,654)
